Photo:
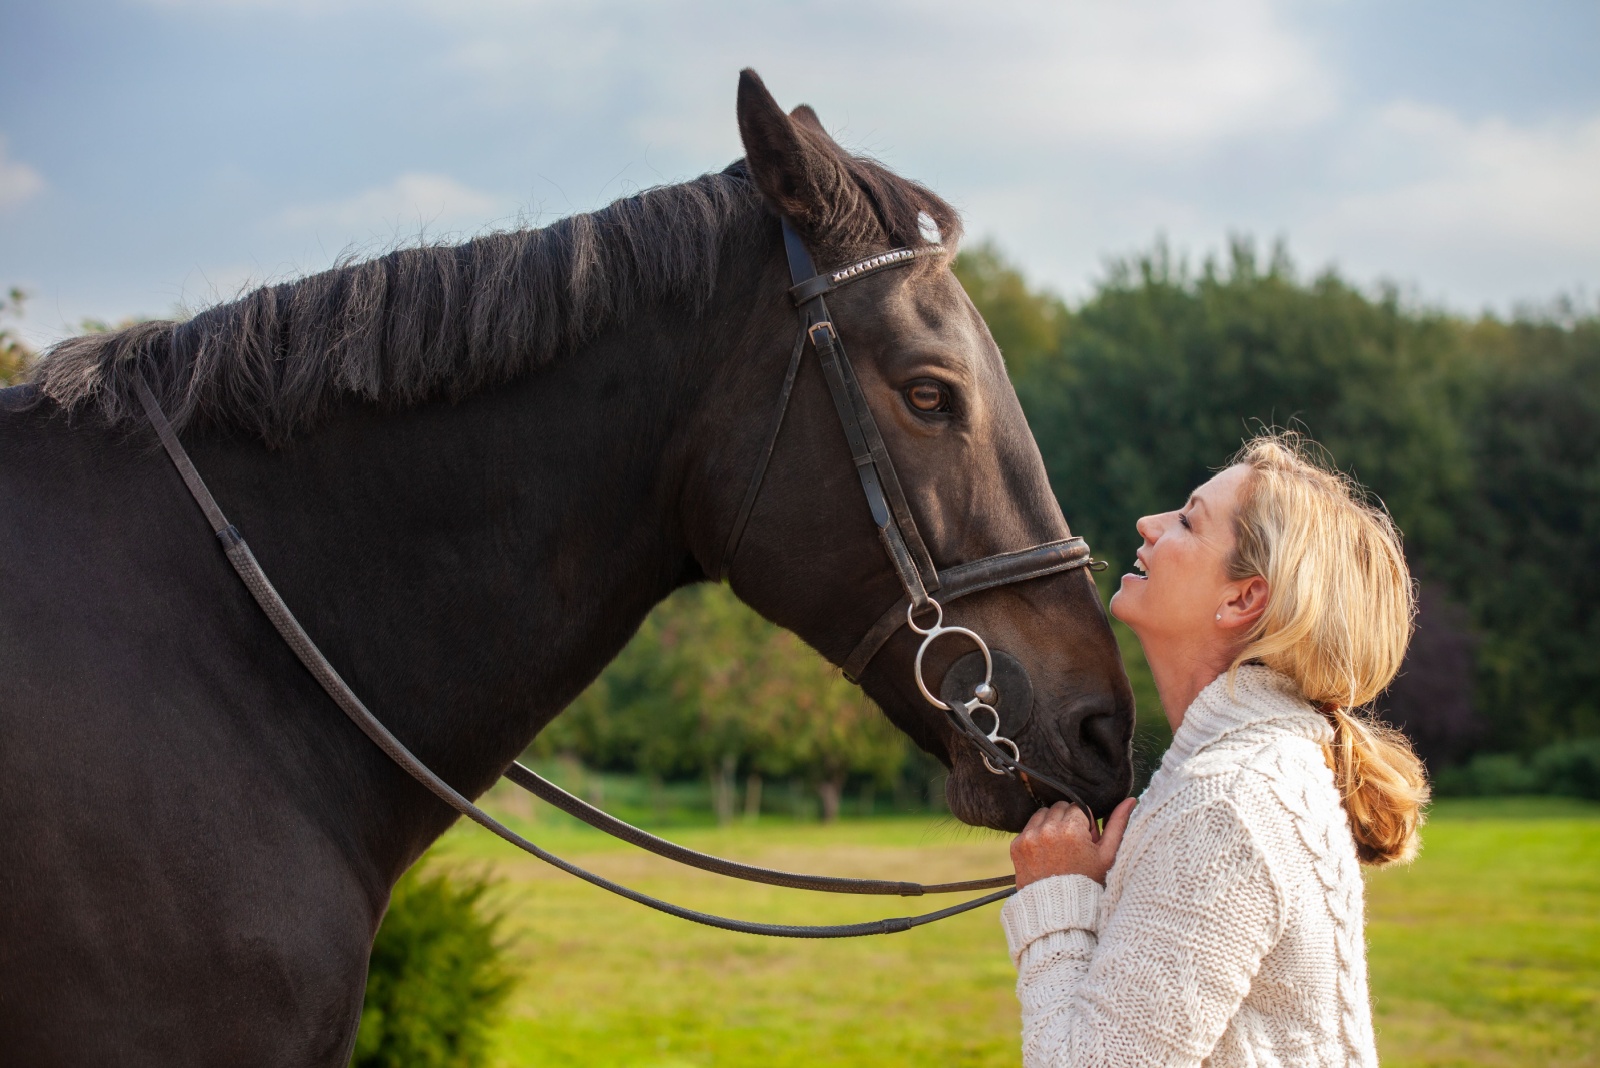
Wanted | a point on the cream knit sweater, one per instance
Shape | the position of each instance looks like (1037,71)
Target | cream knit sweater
(1229,931)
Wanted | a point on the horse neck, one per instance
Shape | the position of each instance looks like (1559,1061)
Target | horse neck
(470,567)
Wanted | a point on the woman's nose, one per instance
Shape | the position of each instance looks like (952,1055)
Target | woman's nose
(1149,527)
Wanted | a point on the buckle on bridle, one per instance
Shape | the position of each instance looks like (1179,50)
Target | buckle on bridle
(811,331)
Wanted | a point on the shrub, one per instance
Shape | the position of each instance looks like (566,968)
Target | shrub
(1570,769)
(1565,769)
(438,977)
(1487,775)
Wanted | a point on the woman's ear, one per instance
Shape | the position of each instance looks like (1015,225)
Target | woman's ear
(1246,601)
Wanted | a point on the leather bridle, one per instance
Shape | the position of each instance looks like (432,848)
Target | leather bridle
(907,553)
(897,527)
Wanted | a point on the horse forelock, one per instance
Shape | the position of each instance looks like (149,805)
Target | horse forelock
(450,320)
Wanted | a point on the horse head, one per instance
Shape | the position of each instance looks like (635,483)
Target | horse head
(806,550)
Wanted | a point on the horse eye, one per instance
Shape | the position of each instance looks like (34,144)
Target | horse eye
(928,397)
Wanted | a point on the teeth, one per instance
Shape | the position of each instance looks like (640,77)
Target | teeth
(1140,565)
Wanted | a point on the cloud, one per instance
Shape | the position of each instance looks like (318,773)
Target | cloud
(1162,73)
(1168,75)
(18,181)
(430,202)
(303,8)
(1158,73)
(1468,205)
(1488,178)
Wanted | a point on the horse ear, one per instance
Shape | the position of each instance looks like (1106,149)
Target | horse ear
(805,116)
(796,165)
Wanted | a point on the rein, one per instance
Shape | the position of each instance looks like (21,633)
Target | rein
(907,553)
(294,636)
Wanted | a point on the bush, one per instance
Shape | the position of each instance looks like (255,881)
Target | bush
(1570,769)
(1487,775)
(1565,769)
(438,977)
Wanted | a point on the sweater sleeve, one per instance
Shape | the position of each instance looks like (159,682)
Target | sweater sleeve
(1157,982)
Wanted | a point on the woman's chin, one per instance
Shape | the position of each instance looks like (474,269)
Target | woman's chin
(1126,597)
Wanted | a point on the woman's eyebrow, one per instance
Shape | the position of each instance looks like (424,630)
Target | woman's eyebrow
(1195,501)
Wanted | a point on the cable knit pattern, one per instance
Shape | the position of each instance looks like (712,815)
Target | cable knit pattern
(1230,930)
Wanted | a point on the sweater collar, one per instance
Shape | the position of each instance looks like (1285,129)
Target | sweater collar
(1263,704)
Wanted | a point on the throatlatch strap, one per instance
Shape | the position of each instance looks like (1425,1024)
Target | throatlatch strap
(305,650)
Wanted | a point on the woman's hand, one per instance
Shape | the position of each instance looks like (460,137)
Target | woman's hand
(1059,841)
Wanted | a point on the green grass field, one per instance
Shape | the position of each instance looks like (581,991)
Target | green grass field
(1485,952)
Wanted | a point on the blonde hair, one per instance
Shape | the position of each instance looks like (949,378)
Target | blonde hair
(1338,618)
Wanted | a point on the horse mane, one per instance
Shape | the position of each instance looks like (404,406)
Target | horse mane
(449,320)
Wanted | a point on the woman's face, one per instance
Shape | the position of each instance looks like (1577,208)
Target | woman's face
(1181,583)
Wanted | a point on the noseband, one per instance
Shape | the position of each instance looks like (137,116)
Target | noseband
(897,528)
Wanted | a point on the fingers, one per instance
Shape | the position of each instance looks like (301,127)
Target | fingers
(1061,814)
(1116,823)
(1061,840)
(1024,844)
(1060,821)
(1070,818)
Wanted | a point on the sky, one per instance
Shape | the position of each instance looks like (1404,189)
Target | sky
(159,155)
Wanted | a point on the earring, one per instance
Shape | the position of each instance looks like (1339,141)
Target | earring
(1219,617)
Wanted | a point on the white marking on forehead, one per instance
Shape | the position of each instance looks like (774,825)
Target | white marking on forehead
(928,228)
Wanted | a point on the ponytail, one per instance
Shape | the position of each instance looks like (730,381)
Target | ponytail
(1382,784)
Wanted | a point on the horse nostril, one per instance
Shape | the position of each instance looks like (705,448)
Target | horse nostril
(1105,740)
(1100,731)
(1090,739)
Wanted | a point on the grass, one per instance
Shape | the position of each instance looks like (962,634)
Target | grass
(1485,952)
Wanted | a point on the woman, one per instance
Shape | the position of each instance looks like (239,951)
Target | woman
(1220,921)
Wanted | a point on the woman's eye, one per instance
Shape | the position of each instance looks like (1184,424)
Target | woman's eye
(1184,520)
(928,397)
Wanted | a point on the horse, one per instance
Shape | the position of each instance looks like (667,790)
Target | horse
(472,469)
